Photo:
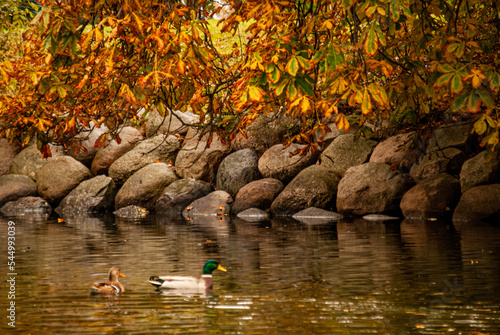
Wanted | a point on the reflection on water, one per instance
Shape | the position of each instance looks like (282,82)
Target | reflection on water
(284,277)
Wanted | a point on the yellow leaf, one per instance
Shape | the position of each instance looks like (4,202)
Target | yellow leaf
(181,67)
(366,105)
(255,93)
(305,105)
(342,123)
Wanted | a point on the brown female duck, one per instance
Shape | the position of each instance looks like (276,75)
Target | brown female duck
(113,286)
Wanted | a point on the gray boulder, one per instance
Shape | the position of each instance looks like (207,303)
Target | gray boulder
(313,215)
(345,151)
(266,131)
(159,148)
(26,205)
(237,170)
(217,203)
(379,217)
(371,188)
(92,195)
(253,215)
(59,176)
(448,160)
(29,161)
(178,195)
(393,150)
(82,146)
(7,153)
(174,122)
(257,194)
(479,203)
(314,186)
(456,135)
(15,186)
(131,212)
(432,198)
(105,156)
(145,186)
(199,160)
(480,171)
(281,163)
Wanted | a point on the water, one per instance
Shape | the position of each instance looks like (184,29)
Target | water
(284,277)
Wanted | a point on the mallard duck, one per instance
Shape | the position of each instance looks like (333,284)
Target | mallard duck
(112,286)
(188,283)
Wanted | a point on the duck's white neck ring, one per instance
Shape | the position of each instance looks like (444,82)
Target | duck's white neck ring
(206,276)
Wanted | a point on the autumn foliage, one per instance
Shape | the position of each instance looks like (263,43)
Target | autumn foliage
(414,63)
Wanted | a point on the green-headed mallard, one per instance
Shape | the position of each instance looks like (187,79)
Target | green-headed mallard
(112,286)
(189,283)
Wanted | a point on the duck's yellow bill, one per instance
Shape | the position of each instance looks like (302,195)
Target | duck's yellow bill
(219,267)
(122,275)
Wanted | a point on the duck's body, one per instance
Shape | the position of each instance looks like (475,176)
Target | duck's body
(112,286)
(188,283)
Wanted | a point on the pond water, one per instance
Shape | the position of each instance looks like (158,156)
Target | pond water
(284,277)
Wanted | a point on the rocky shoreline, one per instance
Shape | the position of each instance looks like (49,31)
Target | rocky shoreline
(174,171)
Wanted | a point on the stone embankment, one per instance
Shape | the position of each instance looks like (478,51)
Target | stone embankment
(178,172)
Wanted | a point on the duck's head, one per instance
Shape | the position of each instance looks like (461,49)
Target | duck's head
(114,273)
(212,265)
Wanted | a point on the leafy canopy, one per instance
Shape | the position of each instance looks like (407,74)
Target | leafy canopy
(94,63)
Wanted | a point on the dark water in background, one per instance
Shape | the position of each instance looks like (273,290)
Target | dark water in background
(353,277)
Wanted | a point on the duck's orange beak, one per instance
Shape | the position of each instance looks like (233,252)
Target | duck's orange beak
(122,275)
(219,267)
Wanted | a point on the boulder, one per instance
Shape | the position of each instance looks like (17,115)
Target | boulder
(315,186)
(132,212)
(379,217)
(145,186)
(432,198)
(174,122)
(26,205)
(325,136)
(253,215)
(15,186)
(480,170)
(178,195)
(59,176)
(7,153)
(161,148)
(393,150)
(448,160)
(257,194)
(283,163)
(105,156)
(217,203)
(313,215)
(479,203)
(237,170)
(346,151)
(29,161)
(92,195)
(266,131)
(456,135)
(82,146)
(199,160)
(371,188)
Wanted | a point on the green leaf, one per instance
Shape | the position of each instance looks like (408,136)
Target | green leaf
(486,98)
(305,86)
(304,63)
(380,36)
(456,84)
(292,66)
(444,79)
(281,87)
(371,41)
(291,92)
(459,102)
(274,76)
(445,68)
